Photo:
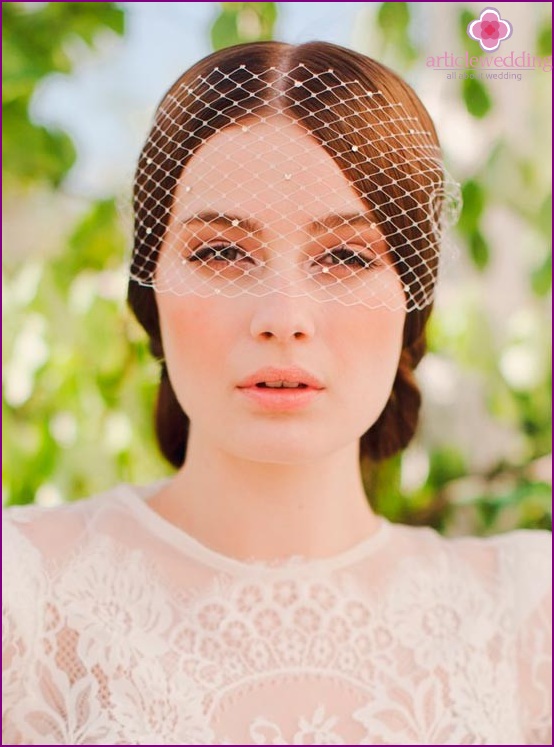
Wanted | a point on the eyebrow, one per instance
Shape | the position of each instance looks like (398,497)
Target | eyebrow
(227,220)
(338,220)
(250,225)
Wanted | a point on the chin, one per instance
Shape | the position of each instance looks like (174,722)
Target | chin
(283,456)
(300,446)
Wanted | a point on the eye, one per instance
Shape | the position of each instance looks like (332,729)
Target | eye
(345,257)
(224,253)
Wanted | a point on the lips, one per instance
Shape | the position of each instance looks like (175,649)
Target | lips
(281,385)
(290,377)
(281,389)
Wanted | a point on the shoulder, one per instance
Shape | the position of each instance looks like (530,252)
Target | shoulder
(516,565)
(525,553)
(34,534)
(39,544)
(523,560)
(511,549)
(517,551)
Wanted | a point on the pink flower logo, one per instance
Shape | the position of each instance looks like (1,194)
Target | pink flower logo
(489,30)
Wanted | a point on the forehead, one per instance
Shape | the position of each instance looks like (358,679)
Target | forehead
(270,168)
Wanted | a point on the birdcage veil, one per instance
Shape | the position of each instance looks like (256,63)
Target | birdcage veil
(384,145)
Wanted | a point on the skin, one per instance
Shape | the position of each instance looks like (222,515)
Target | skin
(257,484)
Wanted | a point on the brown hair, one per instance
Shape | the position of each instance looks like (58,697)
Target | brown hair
(239,81)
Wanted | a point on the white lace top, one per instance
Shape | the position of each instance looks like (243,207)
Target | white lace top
(120,628)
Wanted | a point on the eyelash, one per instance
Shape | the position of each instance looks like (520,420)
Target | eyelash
(345,255)
(216,252)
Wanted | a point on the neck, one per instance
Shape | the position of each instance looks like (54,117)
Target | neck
(263,511)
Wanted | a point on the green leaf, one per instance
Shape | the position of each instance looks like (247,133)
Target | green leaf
(446,464)
(541,278)
(473,204)
(382,485)
(479,250)
(97,242)
(393,18)
(33,153)
(544,216)
(268,13)
(394,21)
(34,41)
(224,31)
(85,19)
(243,22)
(544,40)
(476,97)
(472,46)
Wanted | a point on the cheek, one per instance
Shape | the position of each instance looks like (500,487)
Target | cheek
(195,338)
(370,344)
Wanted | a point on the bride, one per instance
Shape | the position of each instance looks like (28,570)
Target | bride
(289,208)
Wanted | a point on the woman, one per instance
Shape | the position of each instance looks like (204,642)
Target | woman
(289,206)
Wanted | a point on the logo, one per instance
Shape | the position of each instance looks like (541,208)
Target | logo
(489,30)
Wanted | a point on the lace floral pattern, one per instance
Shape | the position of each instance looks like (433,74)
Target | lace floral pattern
(127,639)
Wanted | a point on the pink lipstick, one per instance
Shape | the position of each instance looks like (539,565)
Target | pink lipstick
(281,389)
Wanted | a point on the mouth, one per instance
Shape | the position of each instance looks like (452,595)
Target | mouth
(282,390)
(281,385)
(291,377)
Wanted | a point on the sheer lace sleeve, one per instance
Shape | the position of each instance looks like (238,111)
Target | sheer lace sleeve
(22,598)
(528,563)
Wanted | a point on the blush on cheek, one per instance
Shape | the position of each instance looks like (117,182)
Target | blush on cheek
(197,334)
(376,346)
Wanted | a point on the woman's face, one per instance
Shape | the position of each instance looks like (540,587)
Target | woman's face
(265,357)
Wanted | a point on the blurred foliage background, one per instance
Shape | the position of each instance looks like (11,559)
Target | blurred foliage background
(79,384)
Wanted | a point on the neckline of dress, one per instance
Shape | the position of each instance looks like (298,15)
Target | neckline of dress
(136,497)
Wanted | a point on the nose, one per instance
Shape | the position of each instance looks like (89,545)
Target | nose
(282,317)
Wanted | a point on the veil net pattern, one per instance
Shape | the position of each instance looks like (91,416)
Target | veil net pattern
(385,255)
